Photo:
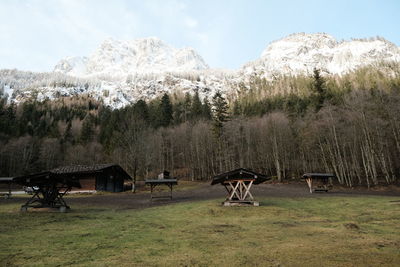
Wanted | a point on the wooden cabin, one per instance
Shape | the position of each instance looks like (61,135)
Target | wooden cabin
(99,177)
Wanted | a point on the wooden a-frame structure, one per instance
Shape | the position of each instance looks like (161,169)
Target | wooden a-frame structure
(238,184)
(319,182)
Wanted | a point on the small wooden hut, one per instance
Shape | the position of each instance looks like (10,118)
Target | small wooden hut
(99,177)
(238,184)
(319,182)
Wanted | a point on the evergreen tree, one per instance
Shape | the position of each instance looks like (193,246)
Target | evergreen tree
(319,90)
(87,130)
(166,111)
(178,112)
(67,137)
(196,109)
(108,126)
(9,121)
(141,110)
(206,109)
(220,113)
(187,107)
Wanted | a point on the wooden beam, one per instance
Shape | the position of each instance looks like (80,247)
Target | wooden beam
(309,182)
(233,192)
(248,190)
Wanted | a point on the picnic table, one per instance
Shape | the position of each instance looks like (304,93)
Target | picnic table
(169,182)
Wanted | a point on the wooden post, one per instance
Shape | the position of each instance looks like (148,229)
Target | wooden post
(233,192)
(9,190)
(241,190)
(248,190)
(309,182)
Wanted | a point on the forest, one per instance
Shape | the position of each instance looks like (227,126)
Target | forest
(348,125)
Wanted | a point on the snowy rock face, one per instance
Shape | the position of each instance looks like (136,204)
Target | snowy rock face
(301,53)
(122,72)
(72,65)
(120,58)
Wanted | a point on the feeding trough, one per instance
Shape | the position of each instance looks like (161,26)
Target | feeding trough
(49,187)
(319,182)
(238,185)
(48,190)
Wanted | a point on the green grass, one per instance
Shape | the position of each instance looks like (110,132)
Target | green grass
(336,231)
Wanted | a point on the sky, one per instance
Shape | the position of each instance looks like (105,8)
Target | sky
(36,34)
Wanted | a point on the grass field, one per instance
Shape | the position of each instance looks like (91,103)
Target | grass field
(334,231)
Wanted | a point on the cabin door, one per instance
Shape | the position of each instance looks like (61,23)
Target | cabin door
(110,183)
(101,183)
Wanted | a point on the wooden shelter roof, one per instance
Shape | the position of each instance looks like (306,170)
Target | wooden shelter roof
(46,178)
(239,174)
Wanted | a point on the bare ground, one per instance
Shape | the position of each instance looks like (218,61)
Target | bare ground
(128,200)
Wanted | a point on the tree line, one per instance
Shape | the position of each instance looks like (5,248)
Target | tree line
(347,125)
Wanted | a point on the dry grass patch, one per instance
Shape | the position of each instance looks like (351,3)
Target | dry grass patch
(351,231)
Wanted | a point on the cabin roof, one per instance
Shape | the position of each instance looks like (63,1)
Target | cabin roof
(87,169)
(240,173)
(68,174)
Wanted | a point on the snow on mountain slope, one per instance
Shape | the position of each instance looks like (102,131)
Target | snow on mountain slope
(122,72)
(72,65)
(120,58)
(300,53)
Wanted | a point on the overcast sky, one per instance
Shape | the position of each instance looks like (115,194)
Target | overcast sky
(35,34)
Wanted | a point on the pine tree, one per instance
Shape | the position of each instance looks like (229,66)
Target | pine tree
(319,90)
(87,130)
(141,110)
(187,107)
(206,110)
(166,111)
(220,113)
(196,109)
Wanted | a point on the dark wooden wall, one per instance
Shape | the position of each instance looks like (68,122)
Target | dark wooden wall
(110,181)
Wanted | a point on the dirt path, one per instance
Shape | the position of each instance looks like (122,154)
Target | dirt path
(141,200)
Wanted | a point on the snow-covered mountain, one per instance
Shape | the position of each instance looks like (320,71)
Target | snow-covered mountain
(122,72)
(300,53)
(121,58)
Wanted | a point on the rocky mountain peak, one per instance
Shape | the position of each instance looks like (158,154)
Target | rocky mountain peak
(121,58)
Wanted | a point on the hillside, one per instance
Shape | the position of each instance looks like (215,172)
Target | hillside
(122,72)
